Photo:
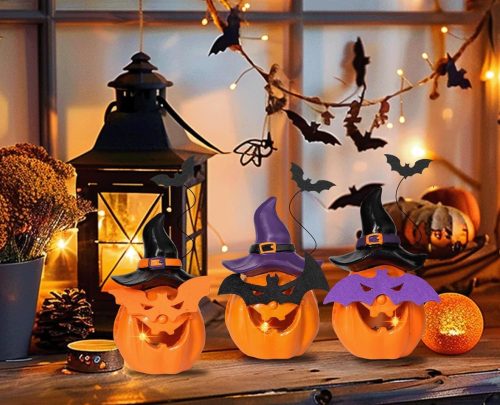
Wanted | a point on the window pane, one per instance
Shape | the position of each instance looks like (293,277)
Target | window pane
(18,4)
(19,85)
(382,5)
(447,126)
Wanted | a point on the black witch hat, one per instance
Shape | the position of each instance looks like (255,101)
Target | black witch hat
(378,243)
(161,264)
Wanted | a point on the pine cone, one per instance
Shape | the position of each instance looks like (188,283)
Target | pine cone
(64,318)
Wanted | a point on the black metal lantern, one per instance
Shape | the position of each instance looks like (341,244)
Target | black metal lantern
(142,137)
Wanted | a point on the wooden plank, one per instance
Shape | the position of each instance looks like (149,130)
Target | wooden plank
(230,373)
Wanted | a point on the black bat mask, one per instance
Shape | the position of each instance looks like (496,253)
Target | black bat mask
(312,278)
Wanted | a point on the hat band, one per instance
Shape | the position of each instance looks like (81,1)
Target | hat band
(271,247)
(157,263)
(374,239)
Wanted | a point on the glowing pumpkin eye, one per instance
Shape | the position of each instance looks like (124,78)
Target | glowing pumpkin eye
(397,288)
(146,307)
(366,288)
(288,291)
(257,293)
(178,306)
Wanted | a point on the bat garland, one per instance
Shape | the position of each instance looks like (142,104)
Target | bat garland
(307,184)
(311,132)
(365,142)
(456,77)
(254,150)
(407,170)
(178,179)
(355,196)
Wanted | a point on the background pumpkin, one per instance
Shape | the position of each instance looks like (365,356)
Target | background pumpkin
(357,336)
(439,230)
(263,342)
(458,198)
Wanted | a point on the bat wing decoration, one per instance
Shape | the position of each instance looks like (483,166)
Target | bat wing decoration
(254,150)
(359,62)
(312,278)
(406,170)
(306,184)
(366,142)
(456,78)
(179,179)
(356,197)
(311,132)
(230,33)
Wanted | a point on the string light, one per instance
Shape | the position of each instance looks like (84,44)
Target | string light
(204,21)
(490,74)
(264,37)
(425,57)
(233,86)
(101,213)
(390,125)
(394,321)
(245,7)
(143,337)
(402,119)
(400,72)
(264,327)
(444,29)
(224,248)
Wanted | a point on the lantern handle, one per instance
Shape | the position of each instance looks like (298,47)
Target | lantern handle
(164,104)
(109,108)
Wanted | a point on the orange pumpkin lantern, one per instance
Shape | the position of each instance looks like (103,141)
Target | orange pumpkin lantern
(378,311)
(272,312)
(159,328)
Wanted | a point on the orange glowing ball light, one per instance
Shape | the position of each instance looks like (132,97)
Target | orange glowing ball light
(454,325)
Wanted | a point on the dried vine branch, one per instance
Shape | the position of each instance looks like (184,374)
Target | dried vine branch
(438,71)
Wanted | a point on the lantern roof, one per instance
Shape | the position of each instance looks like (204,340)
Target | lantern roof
(141,129)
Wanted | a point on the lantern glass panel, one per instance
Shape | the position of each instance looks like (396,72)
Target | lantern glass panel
(122,217)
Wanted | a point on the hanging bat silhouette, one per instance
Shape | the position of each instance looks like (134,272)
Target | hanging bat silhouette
(312,278)
(365,142)
(307,185)
(456,78)
(356,197)
(406,170)
(178,179)
(254,150)
(359,62)
(230,33)
(311,132)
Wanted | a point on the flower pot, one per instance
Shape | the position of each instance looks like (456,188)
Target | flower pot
(19,286)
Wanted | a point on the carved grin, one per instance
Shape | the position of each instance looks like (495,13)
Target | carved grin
(389,319)
(273,323)
(162,338)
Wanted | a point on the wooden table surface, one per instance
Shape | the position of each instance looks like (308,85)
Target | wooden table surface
(325,374)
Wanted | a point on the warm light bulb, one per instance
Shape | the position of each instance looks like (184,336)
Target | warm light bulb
(418,152)
(444,29)
(425,56)
(490,74)
(264,327)
(395,321)
(61,244)
(264,37)
(246,6)
(143,337)
(204,21)
(390,125)
(101,213)
(130,253)
(233,86)
(402,119)
(400,72)
(224,248)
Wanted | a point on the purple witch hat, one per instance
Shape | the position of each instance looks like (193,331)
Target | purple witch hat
(273,248)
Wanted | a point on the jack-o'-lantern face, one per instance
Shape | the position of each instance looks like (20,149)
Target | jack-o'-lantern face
(272,330)
(378,312)
(161,330)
